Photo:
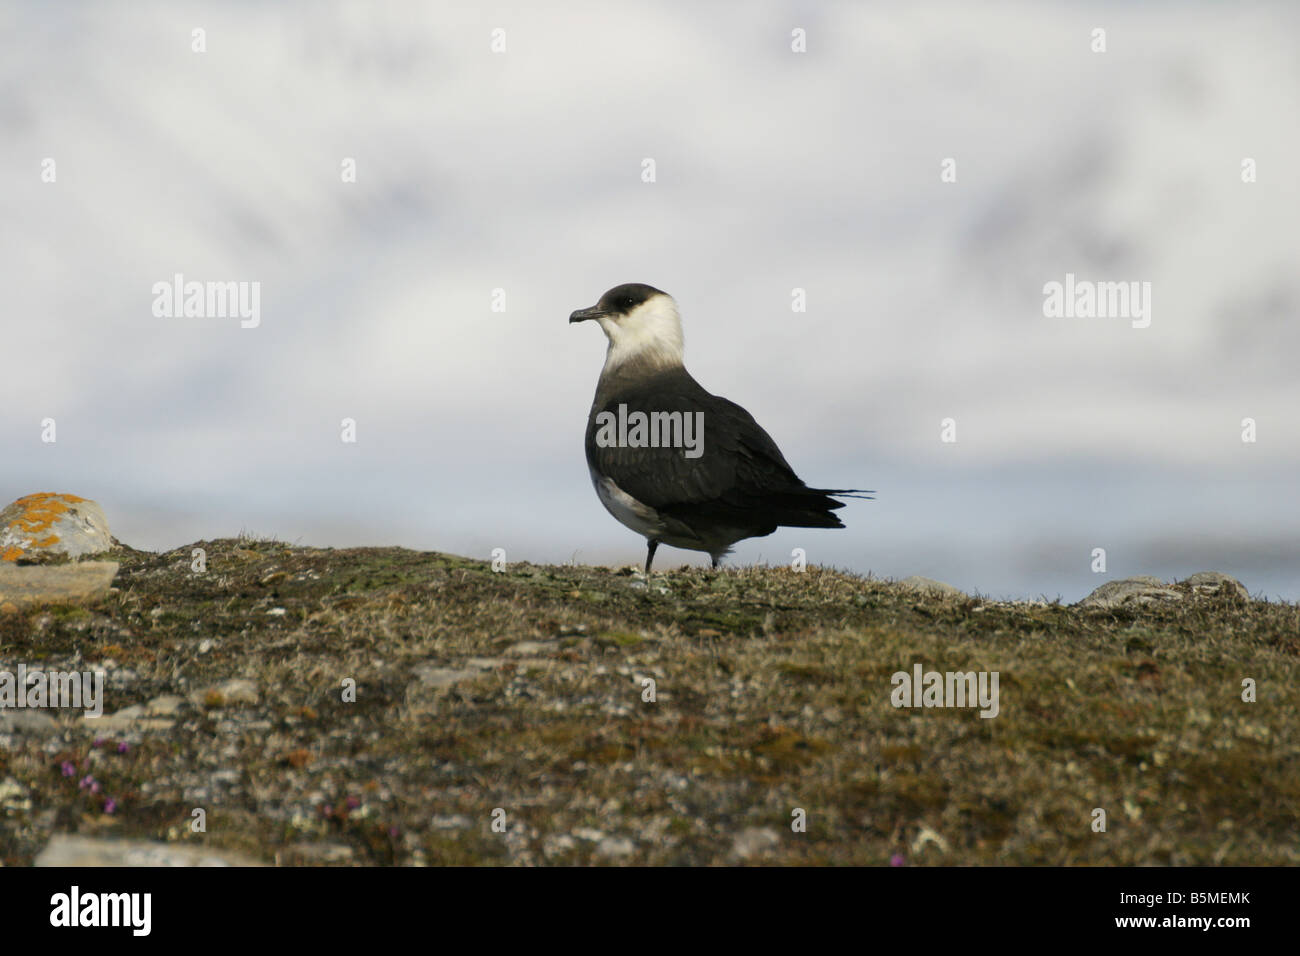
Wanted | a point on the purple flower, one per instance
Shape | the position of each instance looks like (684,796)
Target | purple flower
(95,787)
(353,803)
(69,768)
(123,747)
(110,805)
(98,742)
(896,860)
(86,781)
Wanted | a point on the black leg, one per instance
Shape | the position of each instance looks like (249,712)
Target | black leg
(650,555)
(716,561)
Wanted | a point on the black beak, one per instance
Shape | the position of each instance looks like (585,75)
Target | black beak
(583,314)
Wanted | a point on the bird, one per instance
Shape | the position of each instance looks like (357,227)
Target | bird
(671,461)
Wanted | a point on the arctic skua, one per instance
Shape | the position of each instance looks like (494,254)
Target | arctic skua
(671,461)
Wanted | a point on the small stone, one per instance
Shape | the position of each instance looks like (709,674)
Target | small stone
(754,841)
(134,717)
(129,718)
(13,795)
(529,649)
(925,837)
(436,678)
(1141,590)
(69,850)
(24,585)
(615,847)
(28,723)
(237,690)
(931,587)
(165,705)
(453,821)
(319,854)
(557,844)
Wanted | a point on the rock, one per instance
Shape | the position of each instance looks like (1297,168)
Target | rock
(755,841)
(529,649)
(455,821)
(69,850)
(23,586)
(137,717)
(318,854)
(931,587)
(165,705)
(925,837)
(14,796)
(558,844)
(1141,590)
(615,847)
(1217,582)
(437,678)
(114,723)
(28,723)
(43,525)
(237,690)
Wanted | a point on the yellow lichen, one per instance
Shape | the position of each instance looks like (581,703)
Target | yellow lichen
(38,513)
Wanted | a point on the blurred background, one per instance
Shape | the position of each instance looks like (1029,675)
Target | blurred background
(521,170)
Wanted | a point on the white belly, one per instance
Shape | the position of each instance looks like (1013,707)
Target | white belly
(631,513)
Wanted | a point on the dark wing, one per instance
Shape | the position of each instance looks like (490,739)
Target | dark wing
(740,479)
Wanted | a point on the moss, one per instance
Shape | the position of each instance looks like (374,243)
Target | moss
(773,692)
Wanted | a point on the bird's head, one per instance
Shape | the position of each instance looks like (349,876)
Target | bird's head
(641,323)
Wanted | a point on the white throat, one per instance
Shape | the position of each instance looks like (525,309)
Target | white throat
(651,334)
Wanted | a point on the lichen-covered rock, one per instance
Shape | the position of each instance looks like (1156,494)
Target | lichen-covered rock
(1217,582)
(45,525)
(1143,589)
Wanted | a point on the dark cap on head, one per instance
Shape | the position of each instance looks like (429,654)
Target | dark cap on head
(619,300)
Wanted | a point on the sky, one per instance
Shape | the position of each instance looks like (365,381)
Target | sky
(424,192)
